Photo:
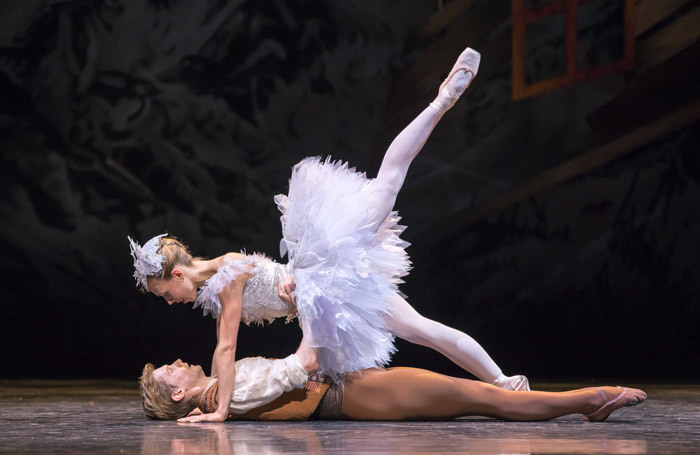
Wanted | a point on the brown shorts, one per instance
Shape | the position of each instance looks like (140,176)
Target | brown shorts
(331,405)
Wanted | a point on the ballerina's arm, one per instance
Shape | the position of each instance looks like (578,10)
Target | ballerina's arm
(225,354)
(214,366)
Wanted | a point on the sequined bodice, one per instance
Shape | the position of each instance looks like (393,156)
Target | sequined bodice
(261,301)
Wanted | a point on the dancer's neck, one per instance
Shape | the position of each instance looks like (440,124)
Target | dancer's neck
(203,269)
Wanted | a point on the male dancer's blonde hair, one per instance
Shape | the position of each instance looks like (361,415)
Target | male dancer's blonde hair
(156,398)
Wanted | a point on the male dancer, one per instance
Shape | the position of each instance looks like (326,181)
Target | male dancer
(269,390)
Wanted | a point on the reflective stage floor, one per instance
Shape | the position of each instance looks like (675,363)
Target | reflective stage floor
(69,417)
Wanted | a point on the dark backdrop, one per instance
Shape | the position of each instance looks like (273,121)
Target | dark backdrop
(135,118)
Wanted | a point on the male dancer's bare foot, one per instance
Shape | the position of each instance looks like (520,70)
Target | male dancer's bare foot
(609,399)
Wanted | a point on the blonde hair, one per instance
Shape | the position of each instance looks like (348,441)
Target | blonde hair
(157,400)
(175,253)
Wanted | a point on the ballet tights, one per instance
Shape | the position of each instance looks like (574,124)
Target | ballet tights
(405,147)
(405,322)
(411,393)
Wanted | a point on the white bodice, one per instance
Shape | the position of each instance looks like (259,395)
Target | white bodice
(261,301)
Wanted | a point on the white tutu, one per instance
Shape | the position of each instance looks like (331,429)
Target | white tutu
(345,263)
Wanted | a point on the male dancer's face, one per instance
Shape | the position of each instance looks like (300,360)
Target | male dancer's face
(179,374)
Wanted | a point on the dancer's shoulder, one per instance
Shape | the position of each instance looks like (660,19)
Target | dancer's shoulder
(232,270)
(234,257)
(235,265)
(243,256)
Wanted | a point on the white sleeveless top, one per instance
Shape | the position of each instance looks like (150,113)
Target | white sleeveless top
(261,301)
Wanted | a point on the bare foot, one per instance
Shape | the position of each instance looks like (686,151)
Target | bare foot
(609,399)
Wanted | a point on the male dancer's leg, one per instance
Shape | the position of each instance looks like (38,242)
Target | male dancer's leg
(411,393)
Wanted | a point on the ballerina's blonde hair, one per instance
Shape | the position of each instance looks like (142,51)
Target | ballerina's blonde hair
(158,258)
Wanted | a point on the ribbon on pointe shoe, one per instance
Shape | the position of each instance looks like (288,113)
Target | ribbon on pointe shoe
(468,61)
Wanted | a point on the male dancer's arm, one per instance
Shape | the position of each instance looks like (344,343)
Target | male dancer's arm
(260,381)
(256,381)
(307,351)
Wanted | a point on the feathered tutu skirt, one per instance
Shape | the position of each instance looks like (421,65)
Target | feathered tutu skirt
(347,261)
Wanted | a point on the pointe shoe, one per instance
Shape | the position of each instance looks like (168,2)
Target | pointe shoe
(457,81)
(518,383)
(468,61)
(598,416)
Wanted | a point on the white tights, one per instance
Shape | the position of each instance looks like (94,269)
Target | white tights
(405,322)
(406,146)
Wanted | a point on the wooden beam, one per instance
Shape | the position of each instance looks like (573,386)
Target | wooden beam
(664,89)
(414,85)
(439,21)
(496,52)
(436,60)
(651,12)
(417,84)
(519,46)
(582,164)
(545,10)
(669,41)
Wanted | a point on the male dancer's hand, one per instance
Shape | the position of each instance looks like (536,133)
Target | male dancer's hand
(195,412)
(306,352)
(213,417)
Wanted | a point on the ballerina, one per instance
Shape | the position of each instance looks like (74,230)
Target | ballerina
(346,259)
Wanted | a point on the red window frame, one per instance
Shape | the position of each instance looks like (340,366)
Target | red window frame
(523,16)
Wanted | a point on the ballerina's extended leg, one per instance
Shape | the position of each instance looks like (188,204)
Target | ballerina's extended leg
(406,146)
(407,323)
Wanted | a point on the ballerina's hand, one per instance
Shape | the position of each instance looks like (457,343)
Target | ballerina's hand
(213,417)
(286,291)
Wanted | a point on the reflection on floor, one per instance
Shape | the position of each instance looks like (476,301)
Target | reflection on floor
(68,417)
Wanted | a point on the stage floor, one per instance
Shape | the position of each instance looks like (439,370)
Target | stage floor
(105,417)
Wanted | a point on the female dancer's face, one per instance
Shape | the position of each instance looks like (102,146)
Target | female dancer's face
(178,289)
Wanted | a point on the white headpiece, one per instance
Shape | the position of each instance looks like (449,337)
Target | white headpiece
(147,261)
